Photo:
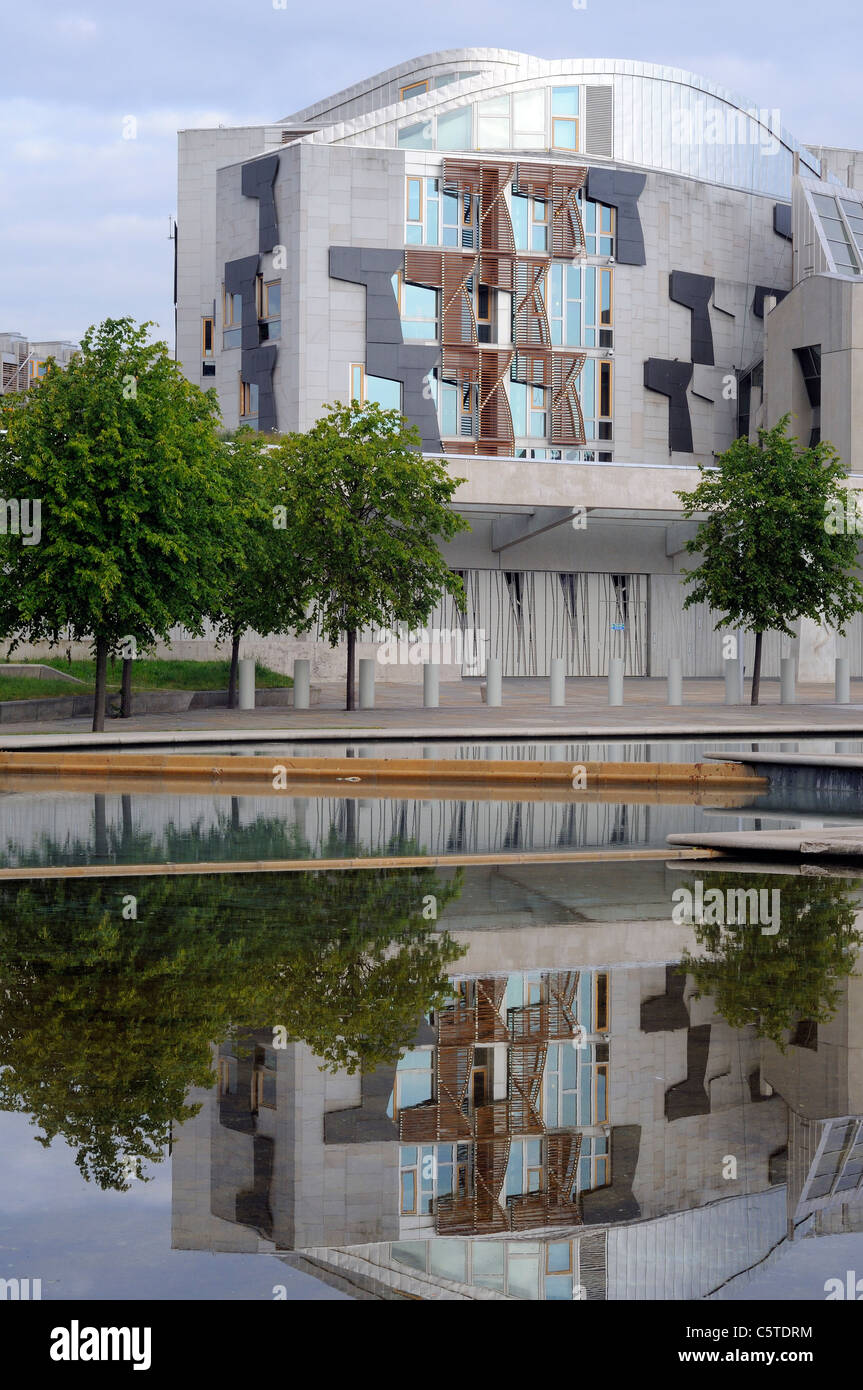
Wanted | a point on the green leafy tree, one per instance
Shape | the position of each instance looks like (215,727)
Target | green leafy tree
(270,592)
(106,1021)
(136,516)
(369,507)
(769,556)
(775,980)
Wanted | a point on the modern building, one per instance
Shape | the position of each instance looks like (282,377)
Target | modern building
(565,273)
(23,363)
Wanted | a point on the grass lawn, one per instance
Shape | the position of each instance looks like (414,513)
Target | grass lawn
(147,674)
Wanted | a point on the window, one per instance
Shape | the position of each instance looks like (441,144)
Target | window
(459,215)
(530,223)
(524,1171)
(837,234)
(416,137)
(232,320)
(600,1104)
(271,310)
(418,310)
(594,386)
(529,408)
(413,1081)
(422,212)
(413,89)
(264,1079)
(459,410)
(227,1072)
(364,387)
(484,310)
(561,1086)
(455,129)
(564,118)
(599,227)
(207,337)
(600,1003)
(429,1171)
(594,1165)
(248,401)
(528,120)
(493,124)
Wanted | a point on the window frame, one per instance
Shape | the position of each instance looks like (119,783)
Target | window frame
(414,89)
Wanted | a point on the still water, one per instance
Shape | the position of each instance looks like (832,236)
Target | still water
(537,1081)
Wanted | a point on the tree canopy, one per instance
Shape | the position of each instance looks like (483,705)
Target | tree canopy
(369,507)
(768,556)
(775,980)
(138,525)
(105,1023)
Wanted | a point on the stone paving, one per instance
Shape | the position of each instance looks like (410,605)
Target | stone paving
(399,714)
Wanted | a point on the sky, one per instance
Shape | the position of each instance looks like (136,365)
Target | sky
(84,212)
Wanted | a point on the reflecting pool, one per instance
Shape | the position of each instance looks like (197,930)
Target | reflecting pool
(563,1081)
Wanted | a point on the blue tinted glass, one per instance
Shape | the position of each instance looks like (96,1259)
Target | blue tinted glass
(558,1256)
(413,235)
(518,406)
(564,101)
(558,1288)
(387,394)
(407,1155)
(419,302)
(520,222)
(414,199)
(415,137)
(449,409)
(454,129)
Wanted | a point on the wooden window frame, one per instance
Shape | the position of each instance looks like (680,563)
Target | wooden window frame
(552,1272)
(414,178)
(228,304)
(601,1027)
(570,121)
(414,89)
(597,1068)
(357,367)
(208,351)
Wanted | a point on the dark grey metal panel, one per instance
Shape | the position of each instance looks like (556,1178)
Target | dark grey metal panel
(240,278)
(621,189)
(671,379)
(387,354)
(257,179)
(257,366)
(782,220)
(694,291)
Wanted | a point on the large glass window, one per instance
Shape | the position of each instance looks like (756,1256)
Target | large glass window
(418,310)
(528,120)
(837,235)
(493,124)
(599,227)
(232,319)
(564,118)
(270,310)
(530,223)
(454,129)
(416,137)
(413,1080)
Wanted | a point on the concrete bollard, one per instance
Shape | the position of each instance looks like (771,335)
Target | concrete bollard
(675,681)
(557,681)
(615,681)
(493,681)
(843,681)
(302,684)
(732,681)
(246,669)
(787,682)
(367,682)
(431,685)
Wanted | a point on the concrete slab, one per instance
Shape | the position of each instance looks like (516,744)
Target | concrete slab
(835,842)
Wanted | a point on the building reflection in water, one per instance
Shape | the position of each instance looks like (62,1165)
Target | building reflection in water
(589,1129)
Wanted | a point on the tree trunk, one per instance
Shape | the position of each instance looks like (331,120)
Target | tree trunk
(233,679)
(349,685)
(126,689)
(756,669)
(100,827)
(101,682)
